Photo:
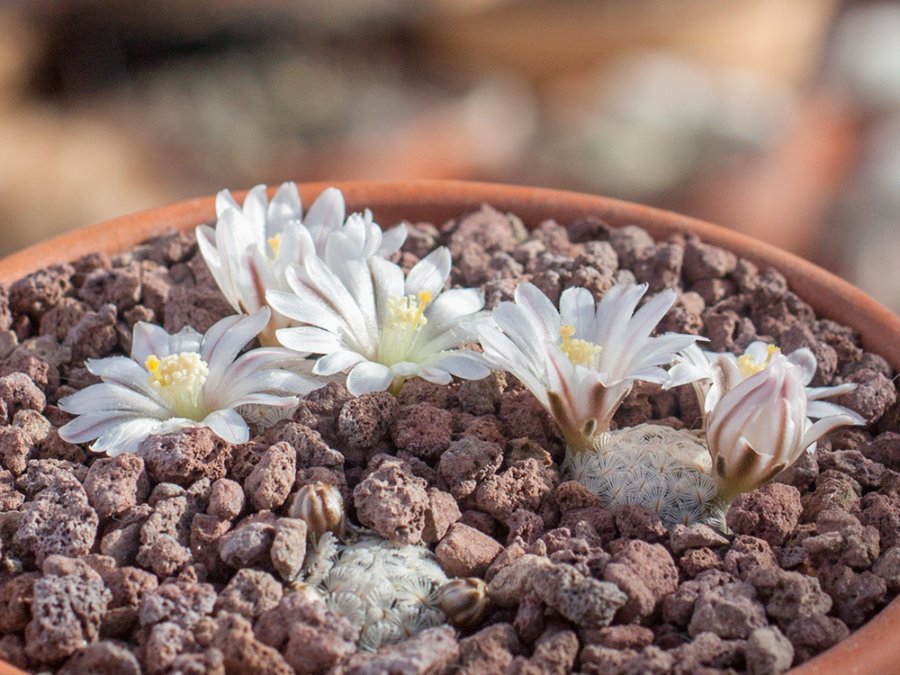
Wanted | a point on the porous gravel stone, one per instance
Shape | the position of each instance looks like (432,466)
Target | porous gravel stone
(16,594)
(645,573)
(811,635)
(684,537)
(583,600)
(423,430)
(289,547)
(746,554)
(248,544)
(102,658)
(434,650)
(226,499)
(466,552)
(116,484)
(57,521)
(250,593)
(19,392)
(770,512)
(312,637)
(523,486)
(270,481)
(768,652)
(181,602)
(66,611)
(242,652)
(490,650)
(393,502)
(365,421)
(467,462)
(184,456)
(730,611)
(789,595)
(442,512)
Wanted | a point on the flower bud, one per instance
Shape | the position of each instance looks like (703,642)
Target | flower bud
(464,601)
(322,507)
(757,429)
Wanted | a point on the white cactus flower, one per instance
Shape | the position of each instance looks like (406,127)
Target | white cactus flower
(581,361)
(761,426)
(367,318)
(252,245)
(171,382)
(714,374)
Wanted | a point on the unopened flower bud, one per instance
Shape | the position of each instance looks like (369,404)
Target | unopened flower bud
(322,507)
(760,428)
(464,601)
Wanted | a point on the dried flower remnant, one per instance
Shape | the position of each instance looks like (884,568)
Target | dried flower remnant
(172,382)
(322,507)
(362,315)
(464,601)
(252,245)
(582,360)
(388,591)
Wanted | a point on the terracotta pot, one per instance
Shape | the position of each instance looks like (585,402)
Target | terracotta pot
(864,652)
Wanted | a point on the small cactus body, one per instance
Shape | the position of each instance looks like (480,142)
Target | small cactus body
(663,469)
(388,591)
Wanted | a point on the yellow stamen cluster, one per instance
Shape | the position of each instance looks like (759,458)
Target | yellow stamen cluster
(274,244)
(748,366)
(179,379)
(405,316)
(580,352)
(408,312)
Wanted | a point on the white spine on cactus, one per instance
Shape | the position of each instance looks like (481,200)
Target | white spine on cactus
(665,470)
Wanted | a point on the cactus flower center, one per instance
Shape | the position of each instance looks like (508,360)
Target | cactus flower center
(750,366)
(179,379)
(405,318)
(580,352)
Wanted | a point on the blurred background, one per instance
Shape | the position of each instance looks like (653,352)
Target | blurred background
(778,118)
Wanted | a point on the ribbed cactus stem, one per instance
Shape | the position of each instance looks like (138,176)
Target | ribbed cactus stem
(387,591)
(663,469)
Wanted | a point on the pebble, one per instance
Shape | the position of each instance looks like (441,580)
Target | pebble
(466,552)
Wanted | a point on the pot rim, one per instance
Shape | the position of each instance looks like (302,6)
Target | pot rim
(864,651)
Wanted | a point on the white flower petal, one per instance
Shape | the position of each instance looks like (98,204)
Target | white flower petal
(89,426)
(225,339)
(284,208)
(368,377)
(149,339)
(467,365)
(449,310)
(430,273)
(112,396)
(435,375)
(228,425)
(309,340)
(576,308)
(325,216)
(128,436)
(306,308)
(538,307)
(337,362)
(392,240)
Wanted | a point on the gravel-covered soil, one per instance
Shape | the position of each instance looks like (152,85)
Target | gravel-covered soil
(177,559)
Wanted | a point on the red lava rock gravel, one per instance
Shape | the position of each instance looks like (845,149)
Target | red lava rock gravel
(183,557)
